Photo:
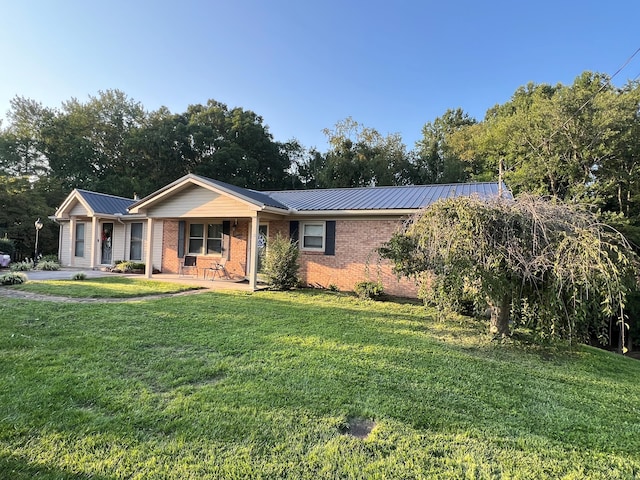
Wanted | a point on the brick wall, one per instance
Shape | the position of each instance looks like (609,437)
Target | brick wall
(356,244)
(237,250)
(355,257)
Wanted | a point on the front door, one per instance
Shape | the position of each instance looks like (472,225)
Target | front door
(107,243)
(263,234)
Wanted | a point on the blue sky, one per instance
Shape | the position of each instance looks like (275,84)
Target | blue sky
(303,66)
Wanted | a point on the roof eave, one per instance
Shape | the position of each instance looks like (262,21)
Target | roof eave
(392,212)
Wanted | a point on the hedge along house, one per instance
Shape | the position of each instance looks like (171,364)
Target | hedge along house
(338,230)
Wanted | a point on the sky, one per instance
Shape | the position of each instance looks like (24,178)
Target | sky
(305,65)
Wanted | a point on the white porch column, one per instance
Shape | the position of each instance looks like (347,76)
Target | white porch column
(253,261)
(72,241)
(96,240)
(148,254)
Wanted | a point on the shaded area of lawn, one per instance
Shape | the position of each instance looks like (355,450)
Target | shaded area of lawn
(105,287)
(238,385)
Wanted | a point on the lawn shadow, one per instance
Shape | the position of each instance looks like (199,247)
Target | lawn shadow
(16,468)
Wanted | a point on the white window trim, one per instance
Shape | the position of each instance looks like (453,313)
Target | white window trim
(82,240)
(205,238)
(324,236)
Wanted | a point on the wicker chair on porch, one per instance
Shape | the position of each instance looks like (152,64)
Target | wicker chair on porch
(217,269)
(188,262)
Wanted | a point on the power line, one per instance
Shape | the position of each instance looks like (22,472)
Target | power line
(602,87)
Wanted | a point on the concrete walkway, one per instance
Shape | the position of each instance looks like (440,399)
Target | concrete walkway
(67,273)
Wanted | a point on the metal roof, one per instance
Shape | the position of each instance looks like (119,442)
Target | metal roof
(382,198)
(253,195)
(106,204)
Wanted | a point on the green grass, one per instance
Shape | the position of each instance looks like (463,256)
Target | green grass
(105,287)
(238,385)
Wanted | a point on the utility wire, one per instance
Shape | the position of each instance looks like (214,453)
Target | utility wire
(602,87)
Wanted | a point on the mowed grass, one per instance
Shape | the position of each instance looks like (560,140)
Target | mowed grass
(104,287)
(238,385)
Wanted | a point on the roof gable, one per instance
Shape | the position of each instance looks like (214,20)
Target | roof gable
(255,199)
(94,203)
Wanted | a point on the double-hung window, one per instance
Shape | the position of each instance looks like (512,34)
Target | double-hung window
(79,240)
(313,236)
(135,248)
(205,239)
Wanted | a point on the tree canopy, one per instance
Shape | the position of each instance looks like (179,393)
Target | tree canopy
(527,252)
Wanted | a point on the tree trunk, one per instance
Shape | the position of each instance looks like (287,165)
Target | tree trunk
(500,313)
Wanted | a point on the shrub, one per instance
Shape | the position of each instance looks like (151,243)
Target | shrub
(333,287)
(281,263)
(51,257)
(24,266)
(128,266)
(369,290)
(79,276)
(47,265)
(13,278)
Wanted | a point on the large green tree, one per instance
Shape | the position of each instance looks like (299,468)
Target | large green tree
(557,259)
(360,156)
(435,161)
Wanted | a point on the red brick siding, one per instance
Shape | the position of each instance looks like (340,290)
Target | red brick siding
(356,244)
(237,250)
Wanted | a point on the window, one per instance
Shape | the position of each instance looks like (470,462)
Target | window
(214,238)
(199,238)
(313,236)
(196,238)
(79,240)
(135,249)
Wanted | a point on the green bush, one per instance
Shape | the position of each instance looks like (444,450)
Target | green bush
(369,290)
(47,265)
(281,263)
(79,276)
(128,266)
(13,278)
(51,257)
(24,266)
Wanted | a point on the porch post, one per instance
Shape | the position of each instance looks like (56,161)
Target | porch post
(96,239)
(72,241)
(148,254)
(253,261)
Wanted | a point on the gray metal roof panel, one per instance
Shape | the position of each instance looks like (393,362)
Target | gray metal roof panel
(260,197)
(106,204)
(380,198)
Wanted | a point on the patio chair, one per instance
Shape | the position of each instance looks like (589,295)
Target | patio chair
(218,269)
(188,262)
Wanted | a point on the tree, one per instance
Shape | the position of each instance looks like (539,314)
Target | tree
(21,152)
(361,157)
(234,146)
(435,160)
(559,258)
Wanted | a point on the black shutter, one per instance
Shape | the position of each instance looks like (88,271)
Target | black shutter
(294,227)
(181,231)
(330,238)
(226,240)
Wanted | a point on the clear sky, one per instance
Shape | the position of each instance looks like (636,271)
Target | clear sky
(304,65)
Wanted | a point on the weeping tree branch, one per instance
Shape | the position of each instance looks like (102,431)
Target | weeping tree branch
(575,270)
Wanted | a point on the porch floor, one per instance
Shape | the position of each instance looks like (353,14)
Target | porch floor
(217,284)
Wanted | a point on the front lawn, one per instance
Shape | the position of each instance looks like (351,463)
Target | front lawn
(272,385)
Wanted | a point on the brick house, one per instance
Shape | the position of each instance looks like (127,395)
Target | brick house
(337,230)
